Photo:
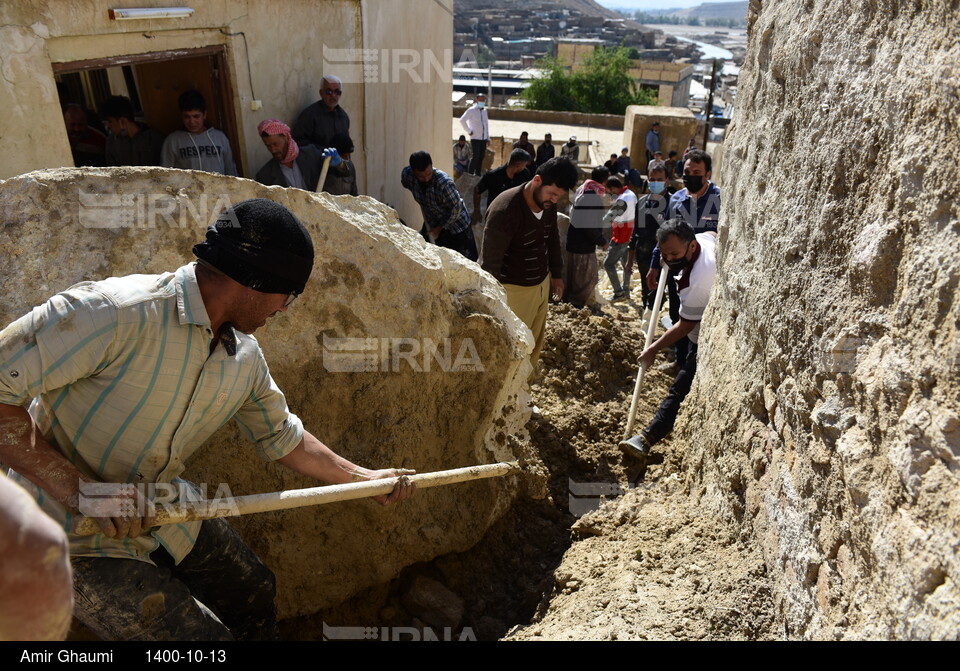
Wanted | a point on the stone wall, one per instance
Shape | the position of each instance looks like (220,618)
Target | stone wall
(373,279)
(609,121)
(825,419)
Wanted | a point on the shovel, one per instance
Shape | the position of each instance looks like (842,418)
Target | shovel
(298,498)
(632,443)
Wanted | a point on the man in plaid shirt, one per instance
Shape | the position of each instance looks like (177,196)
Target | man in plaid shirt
(444,212)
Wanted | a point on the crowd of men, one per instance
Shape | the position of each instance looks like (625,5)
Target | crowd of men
(320,135)
(98,347)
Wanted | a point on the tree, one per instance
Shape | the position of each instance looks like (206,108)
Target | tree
(602,85)
(551,90)
(486,57)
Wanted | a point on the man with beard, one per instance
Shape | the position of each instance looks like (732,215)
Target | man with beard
(291,165)
(87,144)
(521,244)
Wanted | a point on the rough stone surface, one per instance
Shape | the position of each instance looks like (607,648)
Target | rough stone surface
(825,420)
(374,278)
(433,603)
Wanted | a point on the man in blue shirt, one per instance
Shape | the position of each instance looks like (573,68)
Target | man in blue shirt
(653,140)
(444,212)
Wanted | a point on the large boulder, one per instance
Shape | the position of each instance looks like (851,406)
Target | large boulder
(398,353)
(825,418)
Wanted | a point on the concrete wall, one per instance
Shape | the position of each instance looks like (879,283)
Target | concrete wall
(677,126)
(610,121)
(286,60)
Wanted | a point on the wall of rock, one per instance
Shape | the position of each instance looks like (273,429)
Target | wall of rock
(825,420)
(374,280)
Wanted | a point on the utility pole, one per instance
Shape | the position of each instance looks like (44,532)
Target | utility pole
(713,83)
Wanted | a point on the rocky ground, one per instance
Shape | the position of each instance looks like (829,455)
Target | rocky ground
(646,564)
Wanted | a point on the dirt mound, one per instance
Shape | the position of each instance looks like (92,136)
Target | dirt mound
(646,565)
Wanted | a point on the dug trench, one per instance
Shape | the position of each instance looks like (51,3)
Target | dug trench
(644,561)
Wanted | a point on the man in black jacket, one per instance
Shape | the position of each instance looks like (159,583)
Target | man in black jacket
(584,235)
(291,165)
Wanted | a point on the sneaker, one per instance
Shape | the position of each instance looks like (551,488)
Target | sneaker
(636,447)
(618,296)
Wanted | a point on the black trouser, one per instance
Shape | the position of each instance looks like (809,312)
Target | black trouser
(641,257)
(663,421)
(220,591)
(462,242)
(479,148)
(683,345)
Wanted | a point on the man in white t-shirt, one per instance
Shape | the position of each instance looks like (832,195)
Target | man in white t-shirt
(693,260)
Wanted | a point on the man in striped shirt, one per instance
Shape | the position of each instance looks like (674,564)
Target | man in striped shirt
(125,379)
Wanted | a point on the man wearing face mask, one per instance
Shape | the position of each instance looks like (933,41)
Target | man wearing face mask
(692,259)
(477,125)
(651,212)
(699,205)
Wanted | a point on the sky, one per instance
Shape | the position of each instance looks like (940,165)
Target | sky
(649,4)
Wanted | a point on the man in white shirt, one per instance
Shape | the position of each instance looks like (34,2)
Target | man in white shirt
(477,125)
(693,258)
(197,147)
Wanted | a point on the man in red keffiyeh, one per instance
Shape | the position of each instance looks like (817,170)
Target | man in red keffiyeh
(291,164)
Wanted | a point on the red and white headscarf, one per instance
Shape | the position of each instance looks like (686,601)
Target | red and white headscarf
(277,127)
(591,185)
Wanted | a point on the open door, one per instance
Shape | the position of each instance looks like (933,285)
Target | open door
(154,82)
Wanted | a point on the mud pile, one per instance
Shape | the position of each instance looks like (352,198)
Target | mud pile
(510,577)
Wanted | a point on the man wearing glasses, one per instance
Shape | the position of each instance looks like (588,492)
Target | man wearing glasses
(126,378)
(319,122)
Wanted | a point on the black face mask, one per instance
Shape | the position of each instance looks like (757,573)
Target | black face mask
(693,183)
(679,264)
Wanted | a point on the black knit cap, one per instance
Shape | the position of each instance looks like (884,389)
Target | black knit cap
(261,245)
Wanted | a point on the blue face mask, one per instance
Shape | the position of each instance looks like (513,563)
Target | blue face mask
(481,105)
(656,187)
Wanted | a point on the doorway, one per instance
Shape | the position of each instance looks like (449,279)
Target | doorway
(153,82)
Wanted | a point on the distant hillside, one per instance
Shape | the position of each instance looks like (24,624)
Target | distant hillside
(587,7)
(716,10)
(708,11)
